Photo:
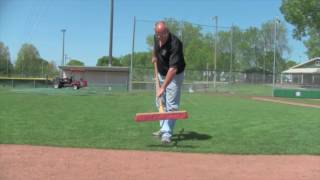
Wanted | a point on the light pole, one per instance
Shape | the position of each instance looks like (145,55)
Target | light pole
(264,63)
(62,58)
(231,49)
(42,67)
(8,67)
(215,51)
(132,53)
(276,20)
(110,33)
(66,59)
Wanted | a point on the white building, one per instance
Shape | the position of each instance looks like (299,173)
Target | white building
(305,74)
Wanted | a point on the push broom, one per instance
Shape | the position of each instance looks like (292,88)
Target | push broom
(156,116)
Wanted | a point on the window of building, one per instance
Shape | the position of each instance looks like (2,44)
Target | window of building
(317,62)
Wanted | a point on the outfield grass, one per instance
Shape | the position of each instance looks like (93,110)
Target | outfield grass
(218,123)
(246,89)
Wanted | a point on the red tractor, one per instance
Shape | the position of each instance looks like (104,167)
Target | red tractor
(69,82)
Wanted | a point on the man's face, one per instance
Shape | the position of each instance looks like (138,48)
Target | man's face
(162,36)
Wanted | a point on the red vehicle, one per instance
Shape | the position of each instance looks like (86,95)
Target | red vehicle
(69,82)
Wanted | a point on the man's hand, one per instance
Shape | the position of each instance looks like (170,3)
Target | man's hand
(171,73)
(160,91)
(154,60)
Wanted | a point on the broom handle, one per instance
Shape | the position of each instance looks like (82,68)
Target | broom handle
(158,85)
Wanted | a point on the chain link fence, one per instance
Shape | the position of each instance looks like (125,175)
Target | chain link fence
(218,58)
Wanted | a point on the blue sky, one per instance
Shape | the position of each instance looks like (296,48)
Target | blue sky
(87,23)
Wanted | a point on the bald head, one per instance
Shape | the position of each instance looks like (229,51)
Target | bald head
(162,32)
(160,27)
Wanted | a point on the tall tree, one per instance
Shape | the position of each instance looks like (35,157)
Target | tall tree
(5,63)
(28,61)
(249,47)
(268,41)
(237,39)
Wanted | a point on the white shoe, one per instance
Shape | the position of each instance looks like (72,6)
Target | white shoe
(157,133)
(165,140)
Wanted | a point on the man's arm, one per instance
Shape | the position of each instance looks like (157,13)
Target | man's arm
(154,58)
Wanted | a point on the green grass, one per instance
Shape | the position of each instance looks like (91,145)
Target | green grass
(217,124)
(247,89)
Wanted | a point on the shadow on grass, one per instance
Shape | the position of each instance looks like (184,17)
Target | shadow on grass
(189,135)
(184,136)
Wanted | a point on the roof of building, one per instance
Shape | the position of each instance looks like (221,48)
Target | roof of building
(302,71)
(305,63)
(95,68)
(309,67)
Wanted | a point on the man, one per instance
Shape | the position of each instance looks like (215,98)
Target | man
(168,56)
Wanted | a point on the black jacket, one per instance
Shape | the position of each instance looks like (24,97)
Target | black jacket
(169,55)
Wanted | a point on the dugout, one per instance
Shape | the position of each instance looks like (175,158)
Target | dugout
(25,82)
(257,75)
(99,76)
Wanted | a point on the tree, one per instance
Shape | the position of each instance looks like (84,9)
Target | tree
(290,64)
(28,61)
(313,44)
(52,69)
(267,43)
(236,51)
(192,39)
(104,61)
(251,48)
(5,63)
(303,14)
(142,66)
(47,68)
(75,62)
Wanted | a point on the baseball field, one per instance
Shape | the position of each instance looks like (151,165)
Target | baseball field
(239,133)
(224,123)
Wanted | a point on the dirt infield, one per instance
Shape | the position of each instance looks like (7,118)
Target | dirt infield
(277,100)
(36,162)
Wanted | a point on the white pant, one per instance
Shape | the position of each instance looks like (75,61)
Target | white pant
(171,102)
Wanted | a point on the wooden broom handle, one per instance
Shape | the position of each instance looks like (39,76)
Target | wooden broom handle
(156,74)
(161,109)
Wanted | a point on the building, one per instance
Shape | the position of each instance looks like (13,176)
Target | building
(304,75)
(98,76)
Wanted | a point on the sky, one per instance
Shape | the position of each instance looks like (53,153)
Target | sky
(39,22)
